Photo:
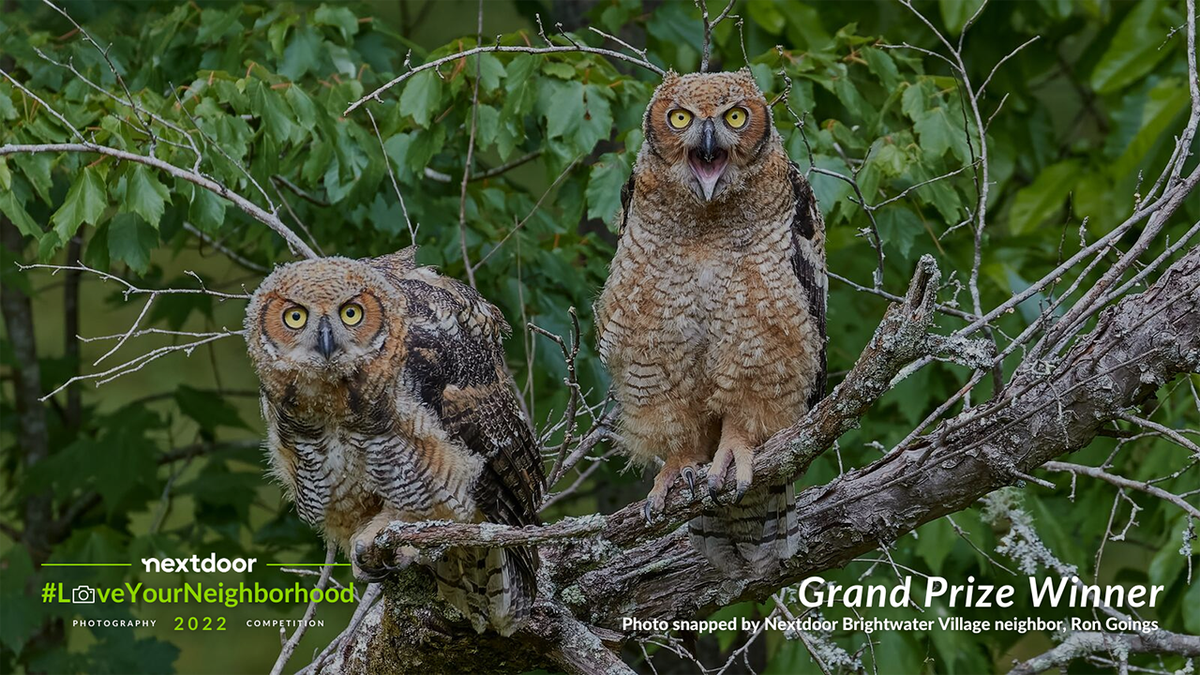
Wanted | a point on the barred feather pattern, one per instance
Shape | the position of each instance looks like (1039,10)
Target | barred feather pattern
(415,419)
(712,320)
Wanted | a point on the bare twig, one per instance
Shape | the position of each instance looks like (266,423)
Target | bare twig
(412,230)
(706,48)
(574,47)
(289,647)
(1123,482)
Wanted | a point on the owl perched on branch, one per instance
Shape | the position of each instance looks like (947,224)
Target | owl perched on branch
(386,398)
(712,321)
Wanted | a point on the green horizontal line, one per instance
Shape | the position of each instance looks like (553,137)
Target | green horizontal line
(86,564)
(307,565)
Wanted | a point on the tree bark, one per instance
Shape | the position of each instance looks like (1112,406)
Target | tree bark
(632,569)
(32,433)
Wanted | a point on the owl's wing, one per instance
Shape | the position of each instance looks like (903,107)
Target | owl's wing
(456,360)
(599,308)
(808,262)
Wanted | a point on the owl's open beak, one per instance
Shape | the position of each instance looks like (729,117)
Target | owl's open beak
(708,161)
(326,345)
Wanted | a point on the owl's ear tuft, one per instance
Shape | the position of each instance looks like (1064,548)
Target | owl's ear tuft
(670,77)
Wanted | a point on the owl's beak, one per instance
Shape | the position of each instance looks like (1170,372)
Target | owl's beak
(326,345)
(708,161)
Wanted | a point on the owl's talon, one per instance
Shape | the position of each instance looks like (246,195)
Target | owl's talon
(716,472)
(742,488)
(369,573)
(689,474)
(656,501)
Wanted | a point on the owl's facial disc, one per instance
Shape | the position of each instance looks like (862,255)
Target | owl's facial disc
(708,160)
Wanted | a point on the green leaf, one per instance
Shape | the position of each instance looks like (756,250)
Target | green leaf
(899,227)
(1134,50)
(303,108)
(49,245)
(421,97)
(608,176)
(766,14)
(425,144)
(130,240)
(20,612)
(1043,198)
(145,195)
(597,119)
(278,30)
(936,541)
(36,169)
(1191,609)
(207,210)
(488,122)
(386,217)
(396,148)
(122,652)
(939,133)
(913,101)
(562,107)
(85,202)
(216,25)
(956,13)
(210,410)
(302,55)
(490,72)
(276,117)
(96,253)
(8,111)
(881,63)
(1149,118)
(1168,563)
(563,71)
(217,486)
(891,159)
(338,17)
(12,204)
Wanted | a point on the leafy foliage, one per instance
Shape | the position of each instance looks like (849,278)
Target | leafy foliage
(1075,122)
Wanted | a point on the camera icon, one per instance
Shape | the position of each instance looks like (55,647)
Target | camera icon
(83,595)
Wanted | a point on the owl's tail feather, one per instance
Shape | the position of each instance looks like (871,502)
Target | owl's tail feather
(759,532)
(491,587)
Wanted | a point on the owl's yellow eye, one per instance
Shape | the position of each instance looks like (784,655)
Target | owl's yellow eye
(736,117)
(352,314)
(679,118)
(295,317)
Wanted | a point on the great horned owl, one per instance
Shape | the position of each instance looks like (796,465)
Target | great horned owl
(712,321)
(386,398)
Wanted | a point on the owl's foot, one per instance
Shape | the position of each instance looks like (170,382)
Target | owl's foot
(742,459)
(656,501)
(369,567)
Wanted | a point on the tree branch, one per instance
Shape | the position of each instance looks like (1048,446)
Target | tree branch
(265,217)
(573,48)
(1078,645)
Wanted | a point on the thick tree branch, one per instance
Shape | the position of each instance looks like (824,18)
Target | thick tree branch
(624,571)
(1139,345)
